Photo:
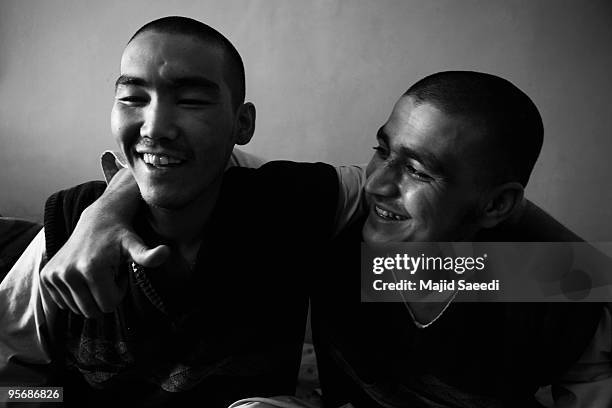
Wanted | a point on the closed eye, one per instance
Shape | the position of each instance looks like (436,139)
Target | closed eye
(194,102)
(419,175)
(133,100)
(381,151)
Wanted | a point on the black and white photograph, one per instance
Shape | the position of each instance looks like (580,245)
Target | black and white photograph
(306,204)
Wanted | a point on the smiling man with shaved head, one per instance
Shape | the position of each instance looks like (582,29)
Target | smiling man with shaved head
(211,313)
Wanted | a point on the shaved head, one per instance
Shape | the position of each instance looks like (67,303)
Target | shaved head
(508,119)
(233,68)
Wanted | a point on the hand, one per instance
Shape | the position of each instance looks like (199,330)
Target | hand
(83,276)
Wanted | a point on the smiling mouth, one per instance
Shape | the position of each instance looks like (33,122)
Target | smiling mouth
(161,160)
(388,215)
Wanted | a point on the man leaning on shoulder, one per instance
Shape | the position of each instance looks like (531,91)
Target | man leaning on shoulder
(451,164)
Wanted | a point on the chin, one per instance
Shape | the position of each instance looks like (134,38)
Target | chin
(374,234)
(167,201)
(169,205)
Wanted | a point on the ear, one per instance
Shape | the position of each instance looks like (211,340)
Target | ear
(503,201)
(245,123)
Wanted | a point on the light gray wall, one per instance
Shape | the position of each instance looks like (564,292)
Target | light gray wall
(323,74)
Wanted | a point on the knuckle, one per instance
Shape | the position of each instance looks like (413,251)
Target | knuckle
(48,272)
(45,279)
(82,264)
(55,279)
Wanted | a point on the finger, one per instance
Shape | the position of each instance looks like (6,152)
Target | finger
(106,293)
(155,257)
(84,300)
(122,283)
(53,292)
(136,249)
(64,292)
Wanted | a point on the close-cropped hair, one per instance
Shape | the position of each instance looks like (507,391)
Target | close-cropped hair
(233,68)
(508,117)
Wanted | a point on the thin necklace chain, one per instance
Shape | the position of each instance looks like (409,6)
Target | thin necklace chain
(424,326)
(414,319)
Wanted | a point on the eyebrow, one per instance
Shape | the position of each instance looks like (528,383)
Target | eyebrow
(429,160)
(129,80)
(182,82)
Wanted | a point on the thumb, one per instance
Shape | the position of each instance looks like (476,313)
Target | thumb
(136,249)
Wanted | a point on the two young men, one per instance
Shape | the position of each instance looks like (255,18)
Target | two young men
(222,315)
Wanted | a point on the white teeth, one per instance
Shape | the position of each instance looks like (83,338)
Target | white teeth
(388,214)
(159,159)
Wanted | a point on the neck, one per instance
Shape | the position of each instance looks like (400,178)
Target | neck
(184,226)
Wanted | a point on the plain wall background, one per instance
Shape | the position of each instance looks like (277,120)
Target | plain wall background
(323,75)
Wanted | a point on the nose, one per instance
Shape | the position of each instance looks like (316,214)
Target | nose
(383,181)
(159,121)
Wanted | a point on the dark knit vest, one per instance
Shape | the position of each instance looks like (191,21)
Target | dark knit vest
(474,355)
(236,329)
